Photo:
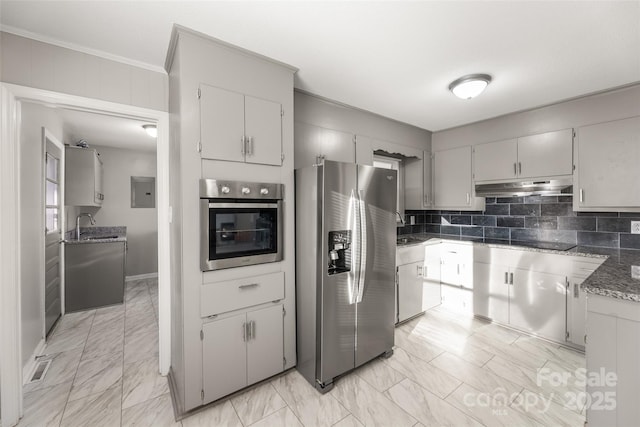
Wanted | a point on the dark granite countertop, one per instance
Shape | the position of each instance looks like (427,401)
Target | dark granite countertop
(97,235)
(618,277)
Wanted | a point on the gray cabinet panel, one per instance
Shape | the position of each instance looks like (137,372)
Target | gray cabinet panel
(410,290)
(608,155)
(538,303)
(495,160)
(83,177)
(265,345)
(224,357)
(222,124)
(263,128)
(491,291)
(546,154)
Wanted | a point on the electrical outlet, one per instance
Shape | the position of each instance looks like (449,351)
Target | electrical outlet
(635,227)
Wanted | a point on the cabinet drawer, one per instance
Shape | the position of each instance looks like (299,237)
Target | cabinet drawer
(221,297)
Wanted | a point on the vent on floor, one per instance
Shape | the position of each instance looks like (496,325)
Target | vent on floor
(41,370)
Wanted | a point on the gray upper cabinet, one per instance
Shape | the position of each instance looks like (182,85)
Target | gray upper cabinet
(417,183)
(607,171)
(83,177)
(314,144)
(546,154)
(452,187)
(240,128)
(542,155)
(495,160)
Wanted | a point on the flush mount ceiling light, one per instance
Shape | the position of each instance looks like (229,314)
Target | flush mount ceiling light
(470,86)
(151,130)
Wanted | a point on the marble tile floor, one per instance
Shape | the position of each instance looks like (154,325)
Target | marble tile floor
(448,369)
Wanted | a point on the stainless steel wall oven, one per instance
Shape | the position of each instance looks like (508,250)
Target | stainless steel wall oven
(241,223)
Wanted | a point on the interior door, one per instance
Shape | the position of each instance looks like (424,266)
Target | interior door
(53,187)
(375,312)
(221,124)
(265,347)
(338,316)
(263,127)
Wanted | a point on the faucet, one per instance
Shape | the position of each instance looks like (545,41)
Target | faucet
(93,222)
(399,215)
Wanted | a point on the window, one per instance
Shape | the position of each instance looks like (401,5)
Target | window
(52,207)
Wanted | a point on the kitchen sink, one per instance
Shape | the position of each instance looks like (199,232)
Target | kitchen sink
(99,237)
(408,240)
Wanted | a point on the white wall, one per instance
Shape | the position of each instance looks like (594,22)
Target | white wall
(41,65)
(34,117)
(119,165)
(593,109)
(320,112)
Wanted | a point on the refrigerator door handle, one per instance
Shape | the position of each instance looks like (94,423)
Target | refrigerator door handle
(354,275)
(362,258)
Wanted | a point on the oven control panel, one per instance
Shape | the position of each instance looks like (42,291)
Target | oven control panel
(218,189)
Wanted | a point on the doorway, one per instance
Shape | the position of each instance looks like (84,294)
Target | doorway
(11,324)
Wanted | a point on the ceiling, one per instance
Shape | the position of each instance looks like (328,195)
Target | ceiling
(393,58)
(103,130)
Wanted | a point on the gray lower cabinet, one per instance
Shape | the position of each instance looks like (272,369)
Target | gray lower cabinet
(94,275)
(410,290)
(538,303)
(491,291)
(241,350)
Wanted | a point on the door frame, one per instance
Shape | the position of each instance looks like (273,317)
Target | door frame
(11,97)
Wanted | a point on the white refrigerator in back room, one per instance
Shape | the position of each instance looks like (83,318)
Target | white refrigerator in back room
(345,268)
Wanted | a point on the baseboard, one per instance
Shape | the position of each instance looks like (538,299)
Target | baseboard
(141,276)
(30,367)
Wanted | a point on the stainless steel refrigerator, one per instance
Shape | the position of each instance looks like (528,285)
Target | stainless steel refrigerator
(345,268)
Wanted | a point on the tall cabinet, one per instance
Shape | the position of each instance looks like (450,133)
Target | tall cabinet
(231,116)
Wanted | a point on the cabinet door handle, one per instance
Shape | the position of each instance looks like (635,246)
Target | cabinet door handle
(511,278)
(419,270)
(250,146)
(519,168)
(515,169)
(250,285)
(506,277)
(468,198)
(243,145)
(244,332)
(458,269)
(252,330)
(581,196)
(576,290)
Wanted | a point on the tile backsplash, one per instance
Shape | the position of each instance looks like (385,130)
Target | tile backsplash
(530,218)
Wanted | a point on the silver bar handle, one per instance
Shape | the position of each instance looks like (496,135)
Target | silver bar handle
(468,198)
(515,169)
(511,278)
(519,168)
(363,246)
(250,285)
(576,290)
(506,277)
(252,330)
(243,146)
(581,195)
(250,146)
(244,332)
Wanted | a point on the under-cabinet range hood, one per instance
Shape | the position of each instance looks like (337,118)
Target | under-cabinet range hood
(551,187)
